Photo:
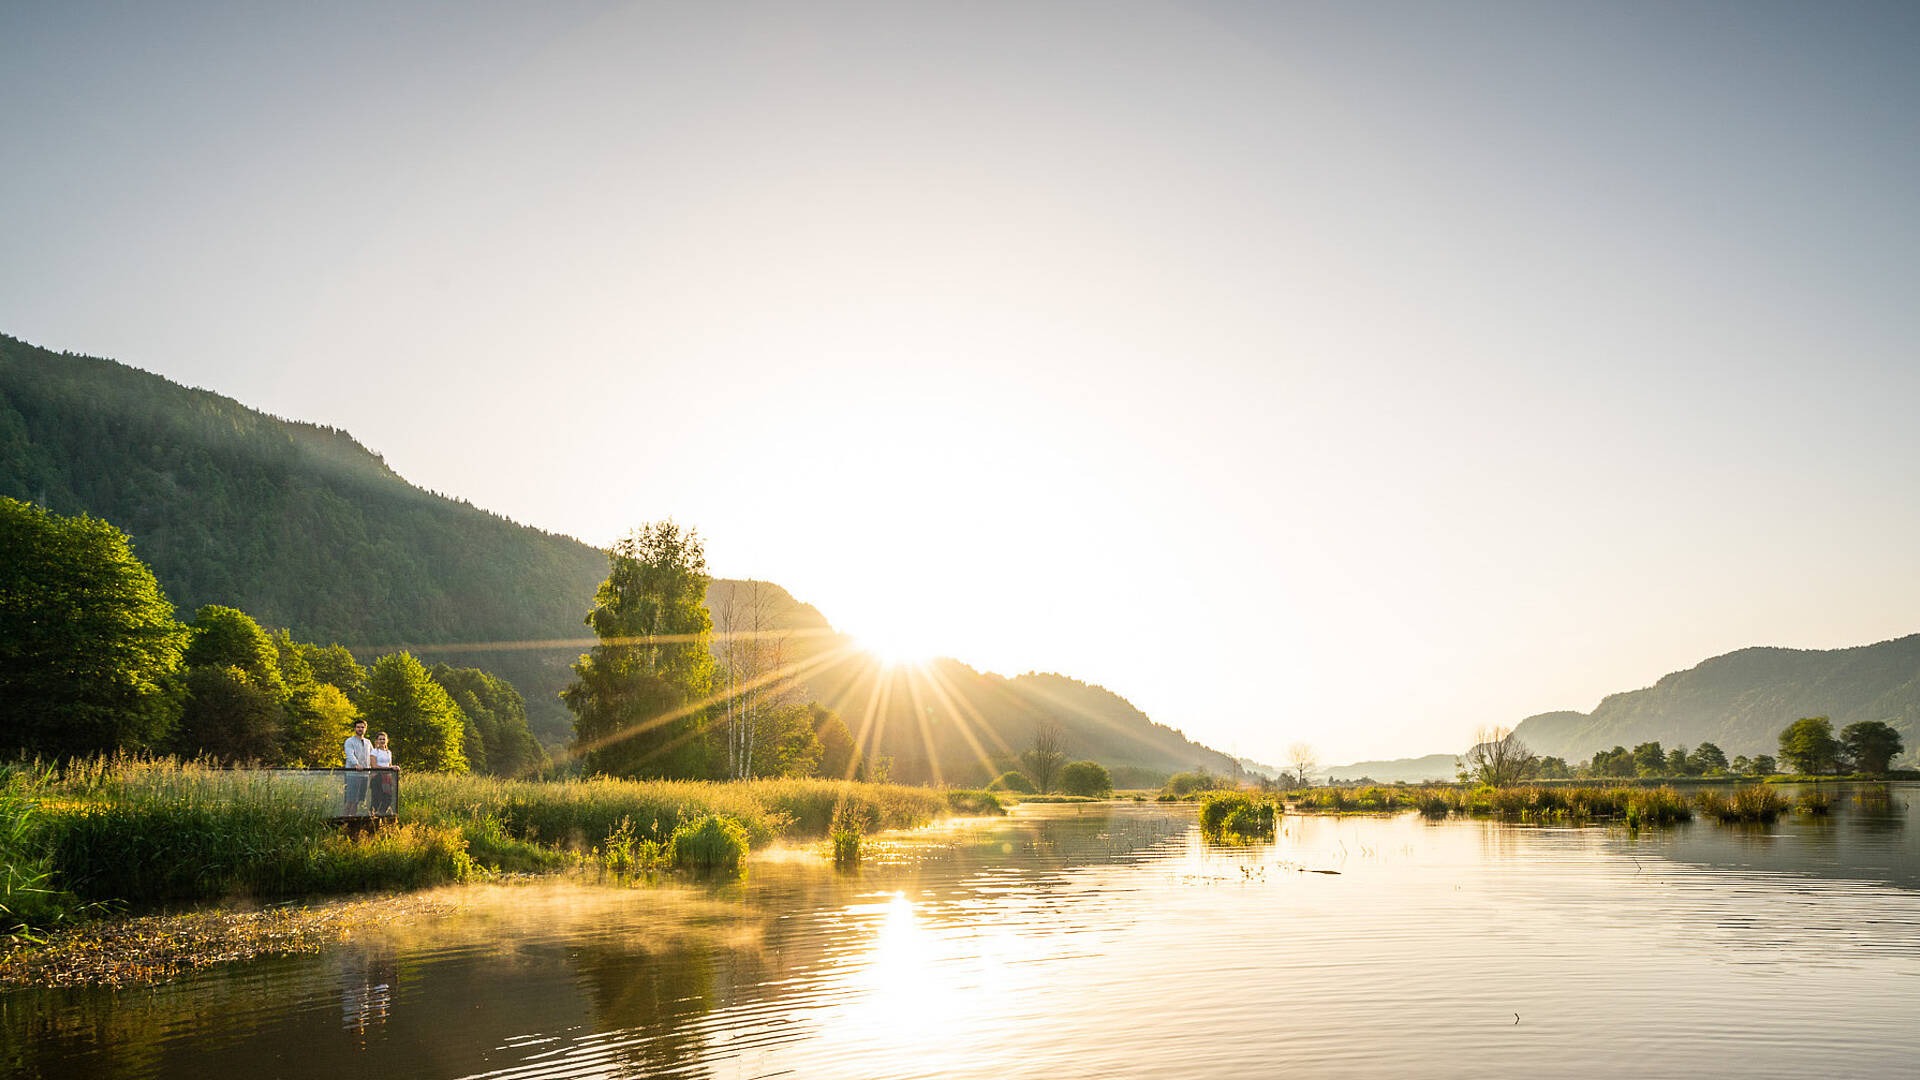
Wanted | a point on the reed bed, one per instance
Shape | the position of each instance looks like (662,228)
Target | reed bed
(1237,816)
(158,831)
(1746,804)
(1528,802)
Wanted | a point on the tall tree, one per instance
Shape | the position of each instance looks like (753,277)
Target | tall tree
(1305,762)
(1809,747)
(89,647)
(504,744)
(236,705)
(637,697)
(1499,758)
(1707,759)
(836,743)
(426,728)
(1045,756)
(1871,744)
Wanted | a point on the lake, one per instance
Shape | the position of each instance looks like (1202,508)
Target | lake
(1102,941)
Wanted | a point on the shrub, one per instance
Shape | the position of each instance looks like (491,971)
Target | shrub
(711,843)
(1235,815)
(974,803)
(1012,781)
(1087,778)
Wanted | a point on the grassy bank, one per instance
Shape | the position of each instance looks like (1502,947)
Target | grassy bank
(139,833)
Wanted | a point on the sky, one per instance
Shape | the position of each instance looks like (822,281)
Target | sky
(1355,374)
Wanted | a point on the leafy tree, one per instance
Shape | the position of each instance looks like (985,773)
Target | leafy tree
(836,742)
(1086,778)
(425,727)
(1649,759)
(319,719)
(335,666)
(1707,760)
(89,647)
(786,744)
(637,698)
(1871,744)
(1554,768)
(1012,781)
(236,704)
(1763,765)
(1741,764)
(1045,756)
(1808,745)
(1617,762)
(1499,758)
(1677,762)
(498,739)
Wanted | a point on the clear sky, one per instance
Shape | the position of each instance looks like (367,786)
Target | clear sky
(1350,373)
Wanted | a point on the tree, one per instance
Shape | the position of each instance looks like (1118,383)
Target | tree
(1087,778)
(1016,782)
(1045,756)
(1741,765)
(1809,747)
(1498,758)
(836,743)
(498,740)
(1617,762)
(1677,762)
(90,651)
(1763,765)
(638,698)
(1649,759)
(1707,760)
(1301,756)
(1871,744)
(753,662)
(786,743)
(1554,768)
(236,703)
(425,726)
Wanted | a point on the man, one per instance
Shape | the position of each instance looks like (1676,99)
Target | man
(358,753)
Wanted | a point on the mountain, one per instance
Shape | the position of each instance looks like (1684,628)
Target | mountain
(1412,770)
(1741,701)
(302,527)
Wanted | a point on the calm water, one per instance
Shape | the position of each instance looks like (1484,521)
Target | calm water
(1108,941)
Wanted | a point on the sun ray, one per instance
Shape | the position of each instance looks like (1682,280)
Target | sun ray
(954,703)
(795,670)
(922,716)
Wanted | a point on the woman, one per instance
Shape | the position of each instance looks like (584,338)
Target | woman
(386,785)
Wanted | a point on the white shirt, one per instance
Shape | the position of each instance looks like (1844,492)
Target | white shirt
(382,758)
(356,751)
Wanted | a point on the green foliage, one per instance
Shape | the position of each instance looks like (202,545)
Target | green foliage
(974,803)
(1235,816)
(1649,759)
(636,700)
(836,743)
(1749,803)
(89,647)
(1814,801)
(230,715)
(1013,781)
(1554,768)
(1187,784)
(501,742)
(1809,747)
(425,727)
(1870,745)
(787,743)
(846,838)
(319,718)
(624,852)
(1764,765)
(1707,760)
(1087,778)
(709,844)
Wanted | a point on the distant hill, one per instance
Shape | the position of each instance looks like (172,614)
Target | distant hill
(304,528)
(1412,770)
(1743,699)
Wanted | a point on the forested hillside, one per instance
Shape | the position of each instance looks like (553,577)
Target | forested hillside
(305,529)
(1741,701)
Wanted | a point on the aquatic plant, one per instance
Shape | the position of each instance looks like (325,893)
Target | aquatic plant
(974,803)
(1237,816)
(1748,803)
(714,842)
(1814,801)
(846,840)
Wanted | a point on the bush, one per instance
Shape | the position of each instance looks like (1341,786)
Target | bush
(712,843)
(1234,815)
(974,803)
(1012,781)
(1087,778)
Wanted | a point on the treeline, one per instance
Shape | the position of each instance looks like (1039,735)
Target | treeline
(296,523)
(1808,747)
(94,660)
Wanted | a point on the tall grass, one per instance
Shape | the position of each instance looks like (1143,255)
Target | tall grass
(156,831)
(1237,816)
(1750,803)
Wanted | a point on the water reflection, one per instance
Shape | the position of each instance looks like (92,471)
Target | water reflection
(1106,941)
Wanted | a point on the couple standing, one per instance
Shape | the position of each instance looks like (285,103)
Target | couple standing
(361,757)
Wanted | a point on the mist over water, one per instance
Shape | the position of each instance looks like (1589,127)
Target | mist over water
(1102,941)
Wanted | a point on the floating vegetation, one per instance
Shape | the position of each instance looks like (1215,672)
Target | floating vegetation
(1236,816)
(154,948)
(1814,800)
